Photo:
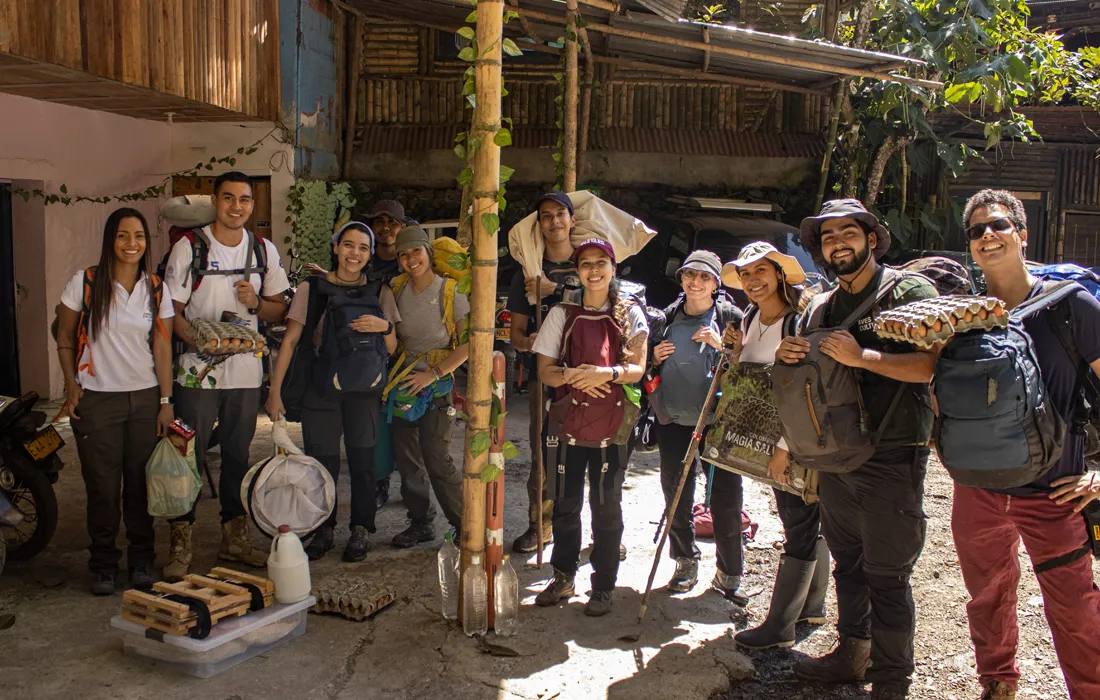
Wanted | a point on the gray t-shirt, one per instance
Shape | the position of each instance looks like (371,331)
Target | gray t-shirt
(421,328)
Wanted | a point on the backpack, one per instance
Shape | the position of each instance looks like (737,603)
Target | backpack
(819,400)
(406,360)
(996,427)
(200,254)
(349,361)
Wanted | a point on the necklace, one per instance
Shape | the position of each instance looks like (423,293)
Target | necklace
(763,327)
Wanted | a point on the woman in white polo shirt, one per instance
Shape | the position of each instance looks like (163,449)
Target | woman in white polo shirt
(116,356)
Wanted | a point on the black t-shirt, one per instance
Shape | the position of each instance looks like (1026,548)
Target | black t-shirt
(564,273)
(385,270)
(911,421)
(1060,378)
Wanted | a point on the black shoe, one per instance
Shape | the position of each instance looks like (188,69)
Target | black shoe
(889,691)
(141,577)
(416,533)
(382,491)
(321,543)
(560,587)
(358,545)
(104,584)
(599,603)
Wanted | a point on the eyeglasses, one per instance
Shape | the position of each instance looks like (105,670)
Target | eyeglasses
(999,225)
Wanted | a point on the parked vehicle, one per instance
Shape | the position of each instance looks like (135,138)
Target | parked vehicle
(29,467)
(10,517)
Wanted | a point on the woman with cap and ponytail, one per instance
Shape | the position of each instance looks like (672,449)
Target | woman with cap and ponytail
(317,317)
(686,358)
(767,278)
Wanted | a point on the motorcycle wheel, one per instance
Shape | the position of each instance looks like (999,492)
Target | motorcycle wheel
(29,490)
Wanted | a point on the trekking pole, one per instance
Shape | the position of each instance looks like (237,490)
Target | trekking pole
(685,469)
(536,450)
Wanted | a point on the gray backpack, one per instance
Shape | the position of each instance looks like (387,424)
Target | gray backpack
(820,405)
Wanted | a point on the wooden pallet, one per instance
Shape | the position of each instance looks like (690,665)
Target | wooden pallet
(266,585)
(221,598)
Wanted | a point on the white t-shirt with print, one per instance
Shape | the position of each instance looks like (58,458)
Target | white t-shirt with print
(121,355)
(215,296)
(548,341)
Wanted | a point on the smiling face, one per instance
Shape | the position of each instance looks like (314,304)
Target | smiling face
(385,229)
(844,245)
(233,204)
(415,261)
(352,251)
(595,269)
(993,248)
(555,221)
(760,280)
(130,241)
(698,285)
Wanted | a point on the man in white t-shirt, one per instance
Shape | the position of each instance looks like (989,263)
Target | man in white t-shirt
(236,265)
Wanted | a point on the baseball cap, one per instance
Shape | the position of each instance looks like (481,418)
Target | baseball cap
(838,209)
(390,207)
(556,196)
(594,243)
(411,236)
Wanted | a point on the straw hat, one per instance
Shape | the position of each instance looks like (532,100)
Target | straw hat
(760,250)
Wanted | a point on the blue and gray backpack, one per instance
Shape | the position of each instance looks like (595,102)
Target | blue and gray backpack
(997,427)
(349,361)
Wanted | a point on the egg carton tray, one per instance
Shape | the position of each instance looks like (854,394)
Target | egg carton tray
(930,321)
(225,338)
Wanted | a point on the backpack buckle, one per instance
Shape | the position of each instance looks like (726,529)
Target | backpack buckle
(551,441)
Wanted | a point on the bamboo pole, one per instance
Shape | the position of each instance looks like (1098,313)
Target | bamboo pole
(536,450)
(486,184)
(354,58)
(586,105)
(830,144)
(569,143)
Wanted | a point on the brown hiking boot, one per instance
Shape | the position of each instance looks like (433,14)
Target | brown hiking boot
(560,587)
(180,552)
(847,663)
(996,690)
(236,547)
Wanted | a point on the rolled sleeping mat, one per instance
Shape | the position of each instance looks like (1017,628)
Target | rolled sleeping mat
(189,211)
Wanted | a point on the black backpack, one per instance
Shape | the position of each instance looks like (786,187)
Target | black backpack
(349,361)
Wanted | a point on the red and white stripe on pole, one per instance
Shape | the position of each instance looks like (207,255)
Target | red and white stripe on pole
(494,496)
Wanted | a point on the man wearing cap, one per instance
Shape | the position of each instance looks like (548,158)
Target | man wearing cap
(559,276)
(386,219)
(872,516)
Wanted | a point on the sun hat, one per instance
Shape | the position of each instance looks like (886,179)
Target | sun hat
(703,261)
(412,236)
(792,271)
(390,207)
(594,243)
(837,209)
(556,196)
(361,226)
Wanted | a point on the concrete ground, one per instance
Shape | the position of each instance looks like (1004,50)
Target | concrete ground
(61,645)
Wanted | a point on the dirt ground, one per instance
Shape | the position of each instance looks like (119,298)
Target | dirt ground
(61,644)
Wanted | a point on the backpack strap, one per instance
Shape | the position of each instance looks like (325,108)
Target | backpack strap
(447,303)
(255,259)
(890,279)
(158,322)
(82,325)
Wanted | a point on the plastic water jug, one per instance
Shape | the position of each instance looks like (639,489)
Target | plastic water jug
(288,567)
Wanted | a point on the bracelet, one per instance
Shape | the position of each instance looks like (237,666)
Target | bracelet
(389,328)
(435,371)
(259,305)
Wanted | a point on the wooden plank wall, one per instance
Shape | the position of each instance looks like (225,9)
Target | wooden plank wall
(220,52)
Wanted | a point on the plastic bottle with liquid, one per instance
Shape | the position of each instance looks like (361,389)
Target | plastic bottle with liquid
(475,610)
(288,567)
(506,599)
(448,577)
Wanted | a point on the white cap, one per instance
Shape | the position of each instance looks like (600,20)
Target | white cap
(475,558)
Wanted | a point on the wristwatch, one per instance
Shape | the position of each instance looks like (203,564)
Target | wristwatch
(259,304)
(167,401)
(559,289)
(614,374)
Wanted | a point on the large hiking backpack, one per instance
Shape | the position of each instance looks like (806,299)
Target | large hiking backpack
(349,361)
(255,261)
(997,427)
(820,403)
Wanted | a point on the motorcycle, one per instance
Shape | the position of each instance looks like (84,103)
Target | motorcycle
(29,467)
(10,516)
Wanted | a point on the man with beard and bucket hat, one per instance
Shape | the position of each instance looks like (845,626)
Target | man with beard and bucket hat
(871,513)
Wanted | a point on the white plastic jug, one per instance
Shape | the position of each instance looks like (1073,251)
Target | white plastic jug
(288,567)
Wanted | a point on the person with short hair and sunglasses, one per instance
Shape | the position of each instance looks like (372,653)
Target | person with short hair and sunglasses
(988,525)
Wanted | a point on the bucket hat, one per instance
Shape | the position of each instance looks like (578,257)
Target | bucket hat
(837,209)
(760,250)
(703,261)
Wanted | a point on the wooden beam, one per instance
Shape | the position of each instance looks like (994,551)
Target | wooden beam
(355,53)
(569,104)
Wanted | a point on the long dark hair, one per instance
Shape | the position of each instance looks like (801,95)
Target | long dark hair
(103,283)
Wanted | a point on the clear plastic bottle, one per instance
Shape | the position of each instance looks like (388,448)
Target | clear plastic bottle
(448,577)
(506,599)
(475,599)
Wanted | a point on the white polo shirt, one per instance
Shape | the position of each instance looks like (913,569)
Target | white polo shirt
(121,355)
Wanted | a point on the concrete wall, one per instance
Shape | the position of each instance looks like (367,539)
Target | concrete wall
(309,84)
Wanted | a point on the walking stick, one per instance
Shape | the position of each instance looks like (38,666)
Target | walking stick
(536,450)
(685,469)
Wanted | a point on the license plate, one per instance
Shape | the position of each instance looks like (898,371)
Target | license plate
(504,334)
(47,442)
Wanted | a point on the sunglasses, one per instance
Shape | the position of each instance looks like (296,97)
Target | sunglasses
(999,225)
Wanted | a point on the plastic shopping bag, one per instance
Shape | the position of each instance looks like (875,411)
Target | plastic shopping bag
(172,481)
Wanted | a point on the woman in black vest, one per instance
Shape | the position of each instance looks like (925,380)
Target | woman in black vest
(326,410)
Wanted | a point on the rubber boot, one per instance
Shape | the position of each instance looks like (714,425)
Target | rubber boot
(179,552)
(236,546)
(847,663)
(813,612)
(791,583)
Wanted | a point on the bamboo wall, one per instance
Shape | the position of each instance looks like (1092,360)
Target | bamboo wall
(219,52)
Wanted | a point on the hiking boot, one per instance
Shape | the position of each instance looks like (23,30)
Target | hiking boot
(791,582)
(237,548)
(813,611)
(847,663)
(889,691)
(725,584)
(528,541)
(141,577)
(416,533)
(686,575)
(560,587)
(382,491)
(103,584)
(996,690)
(321,543)
(179,551)
(358,545)
(599,603)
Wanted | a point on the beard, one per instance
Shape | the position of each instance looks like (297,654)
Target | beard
(859,257)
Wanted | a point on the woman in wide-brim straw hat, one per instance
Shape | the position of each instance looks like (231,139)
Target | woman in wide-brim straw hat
(768,279)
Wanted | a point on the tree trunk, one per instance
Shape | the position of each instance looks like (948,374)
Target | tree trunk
(877,169)
(569,121)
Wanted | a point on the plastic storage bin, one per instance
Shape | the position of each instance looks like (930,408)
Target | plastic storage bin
(230,642)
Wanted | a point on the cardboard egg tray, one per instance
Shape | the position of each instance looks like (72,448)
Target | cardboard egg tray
(223,338)
(929,321)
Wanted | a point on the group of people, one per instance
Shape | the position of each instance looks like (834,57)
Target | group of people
(593,347)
